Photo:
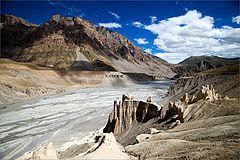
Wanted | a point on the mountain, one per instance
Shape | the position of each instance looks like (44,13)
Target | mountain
(209,61)
(195,64)
(76,44)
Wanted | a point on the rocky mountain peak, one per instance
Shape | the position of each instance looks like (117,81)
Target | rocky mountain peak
(8,19)
(71,21)
(80,44)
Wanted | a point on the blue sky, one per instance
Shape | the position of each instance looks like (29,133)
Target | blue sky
(172,30)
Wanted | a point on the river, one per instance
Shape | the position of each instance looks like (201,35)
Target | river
(66,118)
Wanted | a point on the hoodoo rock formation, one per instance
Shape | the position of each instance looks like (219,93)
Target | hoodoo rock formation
(129,111)
(180,106)
(132,113)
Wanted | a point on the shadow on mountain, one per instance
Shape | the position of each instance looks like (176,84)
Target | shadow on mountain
(82,66)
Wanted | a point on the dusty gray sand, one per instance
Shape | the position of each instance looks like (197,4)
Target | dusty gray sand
(63,119)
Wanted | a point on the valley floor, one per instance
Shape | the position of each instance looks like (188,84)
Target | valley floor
(69,124)
(72,115)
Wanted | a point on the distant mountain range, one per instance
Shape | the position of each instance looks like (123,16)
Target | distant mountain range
(200,63)
(214,61)
(72,43)
(76,44)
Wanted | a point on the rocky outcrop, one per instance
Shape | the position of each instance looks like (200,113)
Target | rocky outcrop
(130,115)
(129,111)
(225,84)
(185,84)
(207,93)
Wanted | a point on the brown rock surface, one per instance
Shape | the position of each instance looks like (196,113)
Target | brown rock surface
(212,132)
(63,42)
(128,112)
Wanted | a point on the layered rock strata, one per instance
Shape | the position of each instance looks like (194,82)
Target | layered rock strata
(180,107)
(225,84)
(77,44)
(129,111)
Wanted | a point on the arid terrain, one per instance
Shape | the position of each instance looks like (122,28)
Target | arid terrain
(25,80)
(195,121)
(70,89)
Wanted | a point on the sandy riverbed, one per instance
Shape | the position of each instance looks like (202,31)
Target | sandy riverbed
(64,119)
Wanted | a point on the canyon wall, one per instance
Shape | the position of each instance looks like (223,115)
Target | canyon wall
(128,112)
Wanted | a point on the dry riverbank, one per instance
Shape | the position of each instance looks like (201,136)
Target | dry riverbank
(21,81)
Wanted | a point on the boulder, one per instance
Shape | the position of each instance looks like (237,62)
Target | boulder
(142,137)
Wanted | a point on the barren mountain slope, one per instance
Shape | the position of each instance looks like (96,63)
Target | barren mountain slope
(74,43)
(226,80)
(25,80)
(196,64)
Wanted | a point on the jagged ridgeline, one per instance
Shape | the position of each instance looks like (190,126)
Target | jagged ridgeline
(74,43)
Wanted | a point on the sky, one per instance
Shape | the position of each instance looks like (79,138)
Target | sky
(171,30)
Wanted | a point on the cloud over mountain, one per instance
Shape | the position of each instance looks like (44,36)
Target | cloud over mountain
(141,40)
(110,25)
(194,34)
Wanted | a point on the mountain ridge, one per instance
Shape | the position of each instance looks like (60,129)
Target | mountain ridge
(216,60)
(195,64)
(72,42)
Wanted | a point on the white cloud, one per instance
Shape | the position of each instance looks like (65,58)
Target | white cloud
(110,25)
(236,19)
(114,14)
(153,19)
(137,24)
(70,11)
(148,50)
(193,34)
(141,40)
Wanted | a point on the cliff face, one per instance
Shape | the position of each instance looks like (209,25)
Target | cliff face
(128,112)
(184,111)
(202,122)
(66,42)
(131,118)
(226,85)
